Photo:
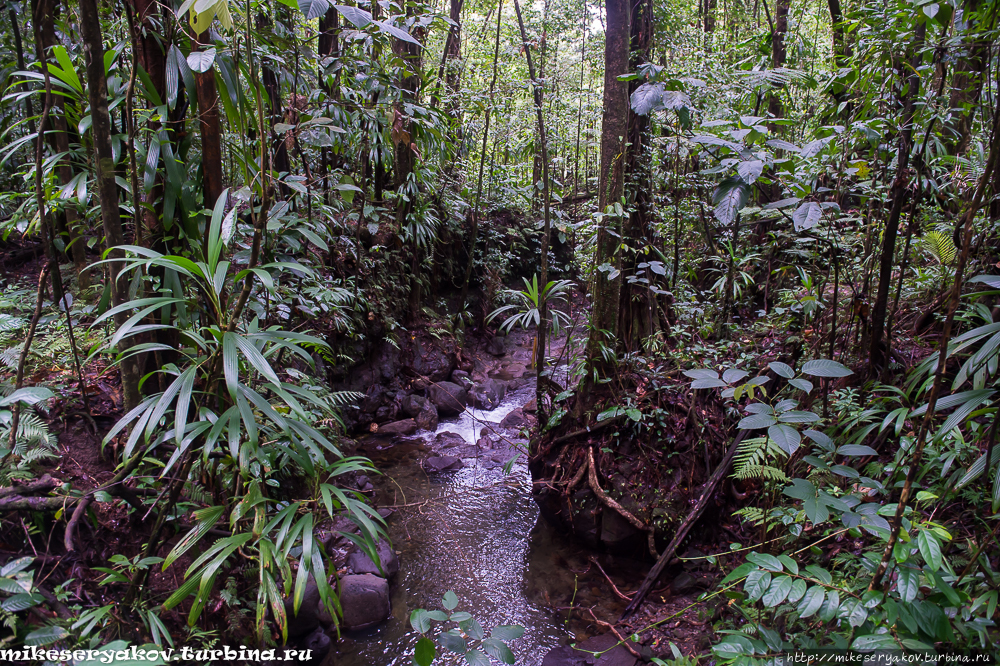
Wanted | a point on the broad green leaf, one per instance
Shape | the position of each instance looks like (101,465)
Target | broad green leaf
(777,592)
(756,422)
(756,584)
(782,369)
(46,636)
(453,641)
(823,367)
(449,600)
(786,437)
(806,217)
(930,548)
(424,652)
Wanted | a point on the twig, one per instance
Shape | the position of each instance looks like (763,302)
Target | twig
(622,595)
(621,639)
(78,514)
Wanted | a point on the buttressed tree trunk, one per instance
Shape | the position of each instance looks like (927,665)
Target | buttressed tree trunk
(97,89)
(614,130)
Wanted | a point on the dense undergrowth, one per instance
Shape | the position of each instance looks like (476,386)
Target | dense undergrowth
(786,224)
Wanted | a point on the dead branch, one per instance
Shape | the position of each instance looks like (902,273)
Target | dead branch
(41,485)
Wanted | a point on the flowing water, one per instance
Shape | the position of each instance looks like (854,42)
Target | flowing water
(478,532)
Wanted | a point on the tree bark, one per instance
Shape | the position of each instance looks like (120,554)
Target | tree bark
(900,193)
(97,89)
(967,81)
(636,308)
(211,130)
(474,232)
(611,181)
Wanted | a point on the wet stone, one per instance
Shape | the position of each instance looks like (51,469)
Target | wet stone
(414,404)
(496,346)
(404,427)
(443,464)
(312,612)
(364,599)
(564,656)
(427,418)
(489,394)
(450,399)
(360,563)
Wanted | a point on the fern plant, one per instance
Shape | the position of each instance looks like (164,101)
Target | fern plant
(939,247)
(33,441)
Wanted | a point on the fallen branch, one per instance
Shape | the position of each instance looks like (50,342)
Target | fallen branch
(611,504)
(685,527)
(41,485)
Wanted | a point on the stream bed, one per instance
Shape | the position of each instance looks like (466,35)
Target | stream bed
(476,531)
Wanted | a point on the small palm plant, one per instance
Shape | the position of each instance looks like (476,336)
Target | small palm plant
(527,305)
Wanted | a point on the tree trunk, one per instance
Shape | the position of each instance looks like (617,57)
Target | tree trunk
(93,49)
(543,324)
(211,130)
(899,192)
(474,232)
(611,181)
(405,154)
(636,308)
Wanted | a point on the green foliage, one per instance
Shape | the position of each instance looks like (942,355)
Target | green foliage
(464,636)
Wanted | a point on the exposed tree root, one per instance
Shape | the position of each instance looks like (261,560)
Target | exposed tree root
(611,504)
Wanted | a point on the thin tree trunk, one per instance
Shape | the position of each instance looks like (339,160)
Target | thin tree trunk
(482,162)
(211,130)
(544,277)
(634,322)
(900,192)
(93,49)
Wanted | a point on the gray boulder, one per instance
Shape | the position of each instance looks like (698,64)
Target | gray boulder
(489,394)
(517,419)
(431,361)
(461,377)
(427,418)
(404,427)
(365,601)
(496,346)
(414,404)
(438,464)
(312,613)
(450,399)
(360,563)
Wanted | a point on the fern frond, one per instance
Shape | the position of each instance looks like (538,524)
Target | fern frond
(765,472)
(939,246)
(751,514)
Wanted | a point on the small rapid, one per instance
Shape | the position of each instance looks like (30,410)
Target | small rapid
(476,531)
